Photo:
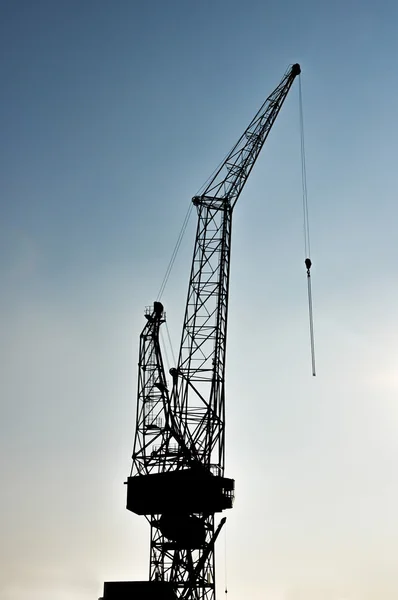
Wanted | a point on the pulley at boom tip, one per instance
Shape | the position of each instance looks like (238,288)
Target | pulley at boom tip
(296,69)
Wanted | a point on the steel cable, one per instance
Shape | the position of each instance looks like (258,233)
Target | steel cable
(306,226)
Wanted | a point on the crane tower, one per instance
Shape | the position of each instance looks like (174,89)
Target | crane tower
(177,478)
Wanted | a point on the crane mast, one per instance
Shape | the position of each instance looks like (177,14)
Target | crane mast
(177,477)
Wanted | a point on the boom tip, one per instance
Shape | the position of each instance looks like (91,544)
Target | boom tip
(296,69)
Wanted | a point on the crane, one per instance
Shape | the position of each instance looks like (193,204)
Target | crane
(177,478)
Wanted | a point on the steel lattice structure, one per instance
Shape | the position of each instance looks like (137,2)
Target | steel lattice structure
(177,478)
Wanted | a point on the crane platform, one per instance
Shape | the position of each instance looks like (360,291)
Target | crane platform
(176,492)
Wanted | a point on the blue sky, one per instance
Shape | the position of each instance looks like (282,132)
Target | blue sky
(112,116)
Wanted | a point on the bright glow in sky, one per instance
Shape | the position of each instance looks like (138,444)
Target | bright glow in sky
(112,116)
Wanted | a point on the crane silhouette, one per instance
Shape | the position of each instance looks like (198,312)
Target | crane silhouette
(177,478)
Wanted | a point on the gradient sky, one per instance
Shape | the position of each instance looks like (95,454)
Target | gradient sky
(112,116)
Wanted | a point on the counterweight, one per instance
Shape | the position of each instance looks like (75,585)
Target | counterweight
(177,478)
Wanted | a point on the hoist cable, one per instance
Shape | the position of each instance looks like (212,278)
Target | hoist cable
(307,243)
(174,253)
(306,225)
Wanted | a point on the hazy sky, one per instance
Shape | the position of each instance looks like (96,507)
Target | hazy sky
(112,116)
